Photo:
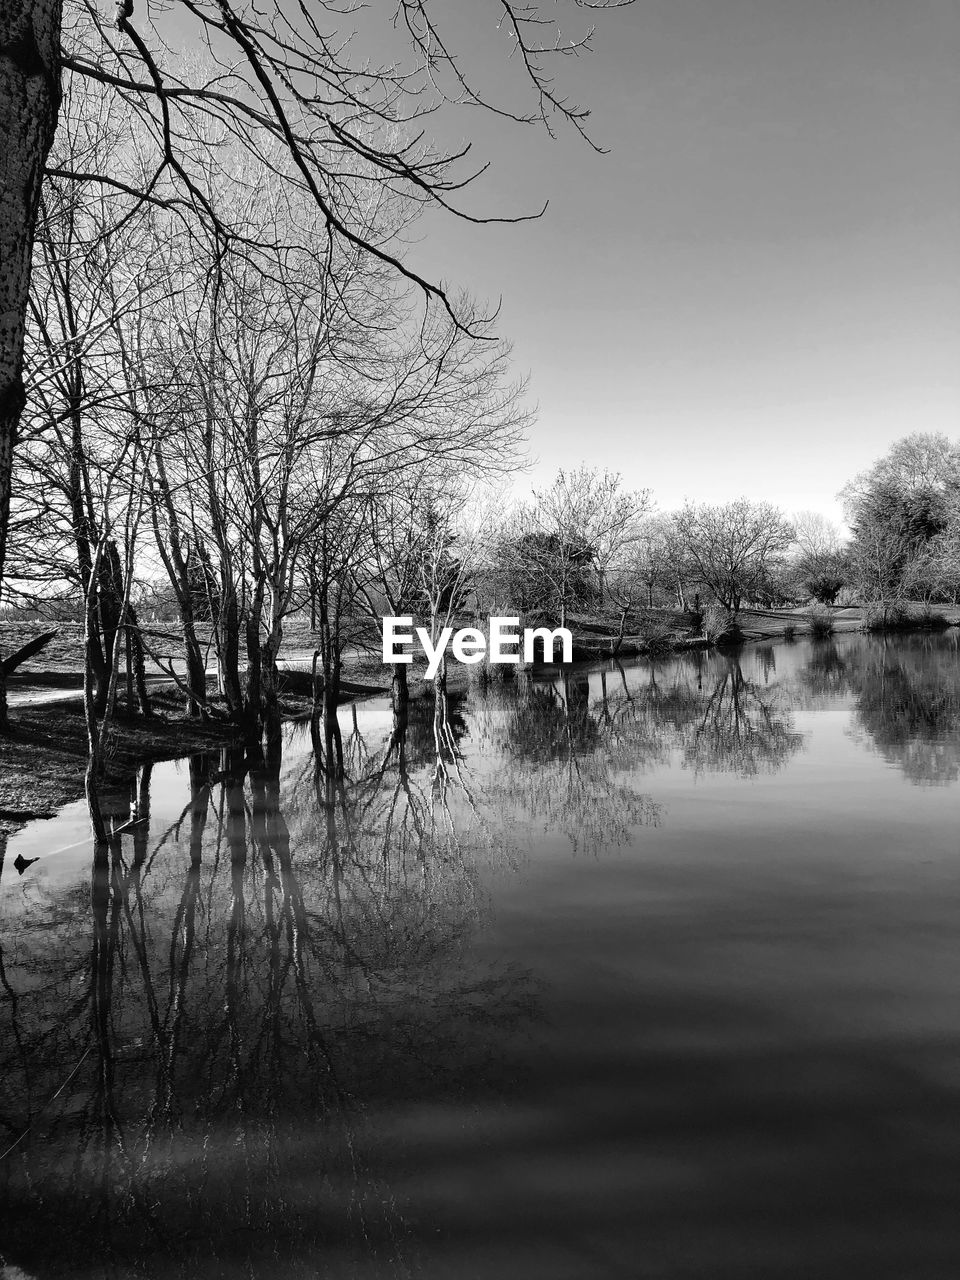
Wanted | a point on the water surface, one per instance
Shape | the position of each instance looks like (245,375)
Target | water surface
(649,971)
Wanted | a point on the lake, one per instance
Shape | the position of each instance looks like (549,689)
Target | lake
(649,971)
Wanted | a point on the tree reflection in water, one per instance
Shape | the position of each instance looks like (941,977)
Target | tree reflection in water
(823,677)
(703,708)
(210,1053)
(735,725)
(569,764)
(906,698)
(195,1058)
(577,757)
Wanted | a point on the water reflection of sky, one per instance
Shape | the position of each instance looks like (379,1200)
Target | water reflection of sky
(650,971)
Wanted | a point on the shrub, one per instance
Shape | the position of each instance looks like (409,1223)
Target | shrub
(882,615)
(656,633)
(789,632)
(932,618)
(661,642)
(720,625)
(821,622)
(484,673)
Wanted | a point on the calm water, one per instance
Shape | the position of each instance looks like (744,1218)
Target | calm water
(647,973)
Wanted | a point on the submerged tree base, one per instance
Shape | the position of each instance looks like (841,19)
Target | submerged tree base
(43,759)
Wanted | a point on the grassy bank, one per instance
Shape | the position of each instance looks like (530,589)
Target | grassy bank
(670,630)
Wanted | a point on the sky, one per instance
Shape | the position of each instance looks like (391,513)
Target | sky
(757,290)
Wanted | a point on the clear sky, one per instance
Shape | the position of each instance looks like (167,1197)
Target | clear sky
(758,289)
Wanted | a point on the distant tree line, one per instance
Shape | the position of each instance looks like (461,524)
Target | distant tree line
(585,543)
(224,497)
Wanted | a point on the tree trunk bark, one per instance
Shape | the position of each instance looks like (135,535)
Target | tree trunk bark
(228,646)
(621,630)
(399,689)
(29,102)
(85,538)
(196,671)
(139,664)
(172,554)
(269,691)
(108,617)
(92,774)
(253,691)
(128,658)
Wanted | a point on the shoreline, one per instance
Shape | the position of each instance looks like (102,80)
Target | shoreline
(43,761)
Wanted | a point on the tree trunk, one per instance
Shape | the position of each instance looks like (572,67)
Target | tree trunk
(331,725)
(139,664)
(128,645)
(399,689)
(440,679)
(105,623)
(313,595)
(253,685)
(29,101)
(92,774)
(228,651)
(29,650)
(331,681)
(269,691)
(84,539)
(196,671)
(253,692)
(172,554)
(621,630)
(9,665)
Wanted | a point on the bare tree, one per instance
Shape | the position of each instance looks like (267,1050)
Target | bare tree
(735,548)
(95,279)
(820,561)
(570,535)
(399,532)
(278,78)
(288,392)
(654,558)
